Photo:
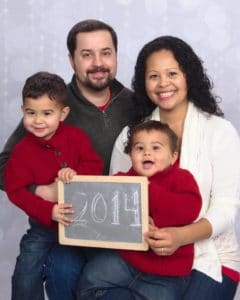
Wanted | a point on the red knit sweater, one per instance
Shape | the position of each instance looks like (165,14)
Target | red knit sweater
(174,200)
(35,161)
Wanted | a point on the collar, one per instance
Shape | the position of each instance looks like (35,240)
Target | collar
(109,99)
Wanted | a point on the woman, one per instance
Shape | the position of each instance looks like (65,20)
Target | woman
(171,85)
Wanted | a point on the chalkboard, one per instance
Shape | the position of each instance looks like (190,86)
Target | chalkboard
(110,212)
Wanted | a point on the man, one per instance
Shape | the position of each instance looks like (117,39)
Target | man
(100,105)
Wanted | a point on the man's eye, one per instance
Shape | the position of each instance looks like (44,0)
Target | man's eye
(86,55)
(107,53)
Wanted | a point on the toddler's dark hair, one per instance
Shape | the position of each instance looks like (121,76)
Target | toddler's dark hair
(148,126)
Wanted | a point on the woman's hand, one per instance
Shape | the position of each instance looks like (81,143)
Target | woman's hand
(163,241)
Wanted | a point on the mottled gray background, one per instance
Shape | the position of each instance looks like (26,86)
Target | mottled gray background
(33,37)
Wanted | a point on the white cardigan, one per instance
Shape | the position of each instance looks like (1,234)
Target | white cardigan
(211,152)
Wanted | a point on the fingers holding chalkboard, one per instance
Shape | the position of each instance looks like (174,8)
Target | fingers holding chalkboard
(66,174)
(60,212)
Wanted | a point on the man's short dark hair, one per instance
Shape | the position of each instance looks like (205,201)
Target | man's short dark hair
(89,25)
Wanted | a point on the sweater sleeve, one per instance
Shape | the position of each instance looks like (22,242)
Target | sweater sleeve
(17,178)
(225,189)
(177,206)
(89,163)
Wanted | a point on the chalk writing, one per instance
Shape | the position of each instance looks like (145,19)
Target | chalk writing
(110,212)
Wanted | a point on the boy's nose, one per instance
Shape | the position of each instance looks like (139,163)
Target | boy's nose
(38,119)
(147,153)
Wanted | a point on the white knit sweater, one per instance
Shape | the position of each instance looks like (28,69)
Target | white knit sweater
(211,152)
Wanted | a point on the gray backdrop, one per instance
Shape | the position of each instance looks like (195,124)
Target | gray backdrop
(33,38)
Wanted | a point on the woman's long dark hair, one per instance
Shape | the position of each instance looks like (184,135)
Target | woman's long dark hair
(198,83)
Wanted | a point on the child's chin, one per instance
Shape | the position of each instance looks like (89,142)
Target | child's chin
(147,173)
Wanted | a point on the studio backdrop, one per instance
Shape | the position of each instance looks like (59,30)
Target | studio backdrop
(33,38)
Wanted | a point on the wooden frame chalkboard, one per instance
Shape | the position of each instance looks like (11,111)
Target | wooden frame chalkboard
(110,212)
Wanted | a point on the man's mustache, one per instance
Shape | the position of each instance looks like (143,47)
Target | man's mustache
(98,69)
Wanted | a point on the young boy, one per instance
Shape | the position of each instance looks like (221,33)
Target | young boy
(174,200)
(50,151)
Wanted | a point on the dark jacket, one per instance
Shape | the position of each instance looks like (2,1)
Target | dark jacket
(102,127)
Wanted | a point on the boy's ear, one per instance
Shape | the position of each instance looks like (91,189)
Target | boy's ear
(174,157)
(65,112)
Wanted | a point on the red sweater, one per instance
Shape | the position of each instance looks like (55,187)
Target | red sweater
(174,200)
(35,161)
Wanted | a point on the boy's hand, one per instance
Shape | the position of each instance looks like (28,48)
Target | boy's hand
(66,175)
(60,211)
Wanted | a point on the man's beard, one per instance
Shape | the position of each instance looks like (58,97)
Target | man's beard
(102,83)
